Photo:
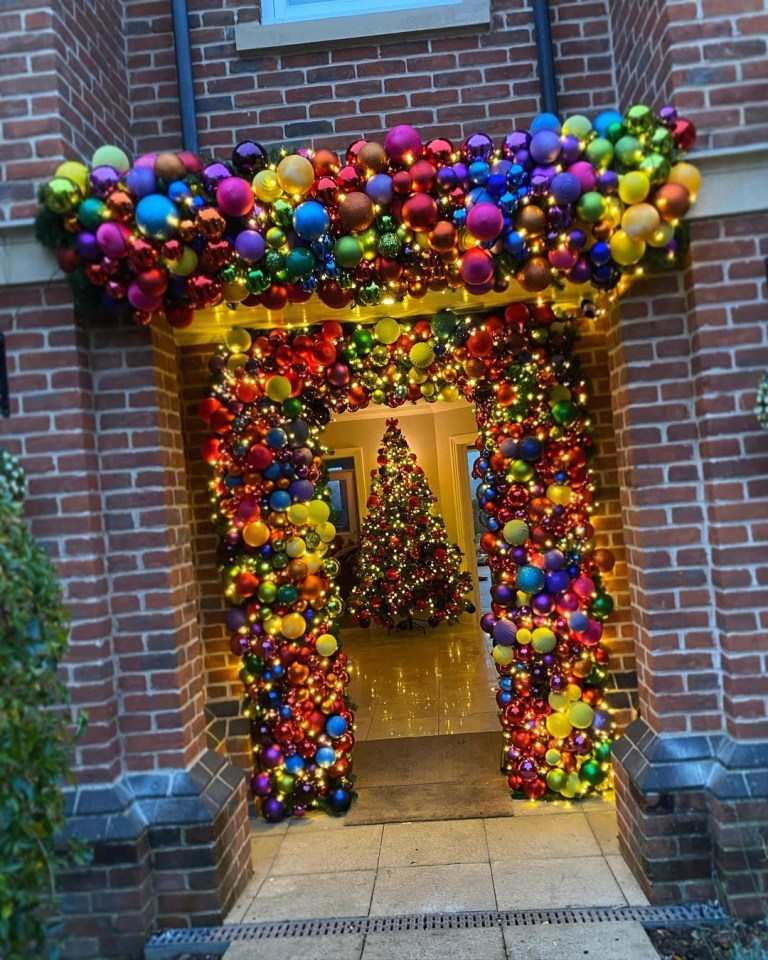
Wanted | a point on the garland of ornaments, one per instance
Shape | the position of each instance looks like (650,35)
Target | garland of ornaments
(273,394)
(584,201)
(761,403)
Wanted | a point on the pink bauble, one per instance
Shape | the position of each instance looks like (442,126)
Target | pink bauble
(563,258)
(585,173)
(583,586)
(113,239)
(143,301)
(403,144)
(476,266)
(485,222)
(593,634)
(567,602)
(338,374)
(146,160)
(479,289)
(234,197)
(192,163)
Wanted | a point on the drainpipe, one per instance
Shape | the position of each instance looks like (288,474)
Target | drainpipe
(184,75)
(544,54)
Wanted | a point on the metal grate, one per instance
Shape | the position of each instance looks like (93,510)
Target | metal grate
(163,944)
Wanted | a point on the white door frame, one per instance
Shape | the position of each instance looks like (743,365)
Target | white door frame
(464,511)
(361,487)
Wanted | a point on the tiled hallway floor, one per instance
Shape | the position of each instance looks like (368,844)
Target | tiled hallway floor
(412,685)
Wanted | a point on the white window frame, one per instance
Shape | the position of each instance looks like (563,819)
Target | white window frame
(301,26)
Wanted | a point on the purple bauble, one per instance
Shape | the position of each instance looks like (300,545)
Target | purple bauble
(272,809)
(515,142)
(488,622)
(557,581)
(570,149)
(503,594)
(543,603)
(271,756)
(580,272)
(260,786)
(507,447)
(380,189)
(212,176)
(446,179)
(608,181)
(235,619)
(103,180)
(520,555)
(477,146)
(576,239)
(249,157)
(566,188)
(141,181)
(554,559)
(504,632)
(540,183)
(562,258)
(301,490)
(545,146)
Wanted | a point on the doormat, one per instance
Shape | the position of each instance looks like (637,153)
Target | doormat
(429,778)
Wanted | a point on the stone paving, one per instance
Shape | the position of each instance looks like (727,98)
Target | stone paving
(544,856)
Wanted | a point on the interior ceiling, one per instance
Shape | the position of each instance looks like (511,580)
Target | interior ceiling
(210,325)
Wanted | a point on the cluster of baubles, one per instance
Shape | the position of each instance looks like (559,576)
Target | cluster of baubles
(580,200)
(548,601)
(407,568)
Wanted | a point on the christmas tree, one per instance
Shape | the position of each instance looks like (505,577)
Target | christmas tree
(407,568)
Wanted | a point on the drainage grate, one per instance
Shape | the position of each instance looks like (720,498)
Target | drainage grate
(162,944)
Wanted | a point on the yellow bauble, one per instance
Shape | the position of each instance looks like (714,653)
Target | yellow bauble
(326,644)
(266,187)
(559,494)
(543,640)
(662,235)
(572,787)
(503,655)
(293,626)
(634,187)
(557,779)
(185,265)
(74,171)
(523,636)
(318,511)
(256,533)
(237,360)
(422,354)
(278,388)
(558,701)
(238,340)
(326,531)
(624,250)
(581,715)
(559,392)
(295,174)
(234,292)
(273,626)
(298,514)
(683,173)
(295,548)
(641,221)
(449,392)
(417,376)
(312,561)
(553,757)
(428,389)
(559,726)
(573,691)
(387,330)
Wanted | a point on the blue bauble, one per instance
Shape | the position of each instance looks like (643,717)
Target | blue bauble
(276,438)
(557,581)
(478,173)
(604,120)
(578,621)
(600,253)
(529,449)
(301,490)
(273,471)
(141,181)
(505,683)
(156,216)
(179,191)
(294,763)
(335,726)
(280,500)
(530,579)
(514,243)
(339,800)
(325,757)
(311,220)
(545,121)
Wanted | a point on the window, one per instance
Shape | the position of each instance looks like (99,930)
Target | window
(285,11)
(308,23)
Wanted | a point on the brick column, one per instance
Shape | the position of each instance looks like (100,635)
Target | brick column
(686,354)
(96,421)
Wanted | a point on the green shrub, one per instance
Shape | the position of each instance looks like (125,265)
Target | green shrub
(35,742)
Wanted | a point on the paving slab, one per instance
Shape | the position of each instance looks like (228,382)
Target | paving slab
(419,844)
(447,888)
(356,848)
(347,947)
(587,941)
(312,897)
(433,944)
(555,883)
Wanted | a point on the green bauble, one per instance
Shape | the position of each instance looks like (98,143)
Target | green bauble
(389,245)
(371,294)
(662,141)
(639,119)
(629,153)
(563,412)
(600,152)
(253,663)
(602,606)
(274,261)
(363,341)
(521,470)
(246,676)
(282,213)
(615,132)
(592,773)
(311,539)
(348,252)
(603,751)
(380,356)
(444,324)
(262,567)
(285,783)
(287,593)
(300,263)
(591,206)
(267,592)
(92,213)
(257,281)
(386,224)
(61,195)
(656,168)
(292,407)
(280,559)
(350,352)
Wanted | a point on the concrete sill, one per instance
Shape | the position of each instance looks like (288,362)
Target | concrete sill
(370,26)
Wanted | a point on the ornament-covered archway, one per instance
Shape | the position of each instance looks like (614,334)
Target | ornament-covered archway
(273,394)
(574,209)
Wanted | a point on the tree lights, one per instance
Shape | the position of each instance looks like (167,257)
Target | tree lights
(272,395)
(406,569)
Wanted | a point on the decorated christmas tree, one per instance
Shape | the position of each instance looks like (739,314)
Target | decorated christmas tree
(408,570)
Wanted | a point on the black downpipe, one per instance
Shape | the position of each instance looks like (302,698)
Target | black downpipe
(545,58)
(184,75)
